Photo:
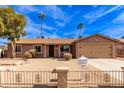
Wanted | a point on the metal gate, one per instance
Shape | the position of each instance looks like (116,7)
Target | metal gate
(96,79)
(27,79)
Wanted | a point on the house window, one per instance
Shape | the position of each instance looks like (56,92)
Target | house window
(38,48)
(18,48)
(65,48)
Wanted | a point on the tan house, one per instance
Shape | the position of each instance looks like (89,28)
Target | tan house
(94,46)
(120,48)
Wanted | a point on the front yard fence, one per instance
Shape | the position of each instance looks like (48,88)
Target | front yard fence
(27,79)
(73,79)
(96,79)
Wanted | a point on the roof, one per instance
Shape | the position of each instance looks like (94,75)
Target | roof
(3,47)
(46,41)
(59,40)
(112,39)
(122,40)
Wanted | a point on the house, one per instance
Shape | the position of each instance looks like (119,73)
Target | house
(3,49)
(120,48)
(94,46)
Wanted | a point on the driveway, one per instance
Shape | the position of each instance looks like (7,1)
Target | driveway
(107,64)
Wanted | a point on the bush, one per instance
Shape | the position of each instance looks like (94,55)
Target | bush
(28,55)
(32,52)
(67,56)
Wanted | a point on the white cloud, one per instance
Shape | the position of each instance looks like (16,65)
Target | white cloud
(34,29)
(60,24)
(114,31)
(119,19)
(109,10)
(26,9)
(49,35)
(55,12)
(98,13)
(48,27)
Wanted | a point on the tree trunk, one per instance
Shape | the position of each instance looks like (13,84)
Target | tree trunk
(79,32)
(13,48)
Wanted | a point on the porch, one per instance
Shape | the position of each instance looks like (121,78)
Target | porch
(54,51)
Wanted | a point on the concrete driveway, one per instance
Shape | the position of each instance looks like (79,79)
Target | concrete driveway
(107,64)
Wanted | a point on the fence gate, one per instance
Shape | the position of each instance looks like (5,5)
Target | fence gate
(27,79)
(96,79)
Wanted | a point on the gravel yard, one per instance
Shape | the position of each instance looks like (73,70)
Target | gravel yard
(107,64)
(48,64)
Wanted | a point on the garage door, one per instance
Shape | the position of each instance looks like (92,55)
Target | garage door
(95,50)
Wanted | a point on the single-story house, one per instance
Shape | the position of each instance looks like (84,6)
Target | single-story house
(94,46)
(120,48)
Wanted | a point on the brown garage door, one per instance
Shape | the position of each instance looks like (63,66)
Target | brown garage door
(95,50)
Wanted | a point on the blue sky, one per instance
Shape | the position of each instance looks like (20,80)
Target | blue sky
(61,21)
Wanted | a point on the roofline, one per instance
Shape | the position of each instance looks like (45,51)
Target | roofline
(44,43)
(115,40)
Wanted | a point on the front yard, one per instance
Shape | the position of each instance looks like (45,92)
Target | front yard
(48,64)
(44,64)
(95,71)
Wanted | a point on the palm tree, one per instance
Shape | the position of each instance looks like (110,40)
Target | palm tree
(122,37)
(80,27)
(42,16)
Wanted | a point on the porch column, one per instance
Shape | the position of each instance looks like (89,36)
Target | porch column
(59,51)
(45,51)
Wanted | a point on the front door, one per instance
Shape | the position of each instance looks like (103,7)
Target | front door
(51,50)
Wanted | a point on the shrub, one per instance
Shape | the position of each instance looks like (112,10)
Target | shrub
(67,56)
(32,52)
(28,55)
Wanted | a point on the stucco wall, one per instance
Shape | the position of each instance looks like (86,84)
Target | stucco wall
(99,40)
(25,47)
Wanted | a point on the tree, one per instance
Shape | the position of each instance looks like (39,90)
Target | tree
(11,26)
(80,27)
(42,16)
(122,37)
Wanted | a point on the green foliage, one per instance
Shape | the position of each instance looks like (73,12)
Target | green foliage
(80,26)
(42,16)
(28,55)
(67,56)
(32,52)
(1,26)
(122,37)
(11,24)
(80,36)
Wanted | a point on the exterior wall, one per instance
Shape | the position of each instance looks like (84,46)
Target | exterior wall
(44,52)
(97,40)
(73,50)
(47,51)
(9,50)
(120,50)
(56,51)
(26,47)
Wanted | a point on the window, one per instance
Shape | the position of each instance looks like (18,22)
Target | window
(65,48)
(38,48)
(18,48)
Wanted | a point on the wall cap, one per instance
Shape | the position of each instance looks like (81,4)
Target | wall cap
(122,67)
(60,69)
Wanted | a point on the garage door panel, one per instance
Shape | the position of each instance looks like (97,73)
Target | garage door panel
(95,50)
